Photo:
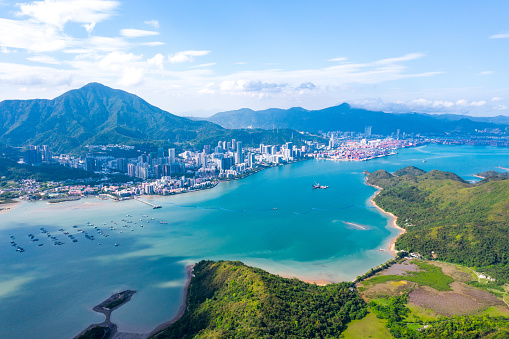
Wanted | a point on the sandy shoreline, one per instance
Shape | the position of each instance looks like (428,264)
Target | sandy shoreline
(392,244)
(4,208)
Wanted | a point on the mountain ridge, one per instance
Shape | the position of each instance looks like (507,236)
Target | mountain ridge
(347,118)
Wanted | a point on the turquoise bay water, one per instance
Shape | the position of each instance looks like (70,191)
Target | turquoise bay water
(333,235)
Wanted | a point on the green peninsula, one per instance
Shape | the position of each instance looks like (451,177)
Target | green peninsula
(231,300)
(449,219)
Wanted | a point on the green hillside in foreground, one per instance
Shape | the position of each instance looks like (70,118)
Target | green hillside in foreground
(448,218)
(231,300)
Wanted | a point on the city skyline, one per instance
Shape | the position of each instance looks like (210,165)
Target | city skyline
(200,58)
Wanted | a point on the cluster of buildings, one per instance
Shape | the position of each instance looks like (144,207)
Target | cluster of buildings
(166,172)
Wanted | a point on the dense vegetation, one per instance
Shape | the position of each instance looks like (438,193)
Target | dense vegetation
(448,218)
(394,311)
(232,300)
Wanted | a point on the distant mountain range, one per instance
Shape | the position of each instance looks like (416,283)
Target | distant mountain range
(346,118)
(97,114)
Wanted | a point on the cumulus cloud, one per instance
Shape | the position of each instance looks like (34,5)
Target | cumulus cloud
(117,60)
(500,107)
(153,23)
(131,76)
(307,85)
(500,36)
(251,86)
(186,56)
(157,60)
(137,33)
(496,99)
(59,12)
(478,103)
(89,27)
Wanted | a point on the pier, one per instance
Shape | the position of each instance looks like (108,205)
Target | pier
(154,206)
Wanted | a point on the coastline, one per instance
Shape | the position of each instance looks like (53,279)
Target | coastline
(392,244)
(4,208)
(183,306)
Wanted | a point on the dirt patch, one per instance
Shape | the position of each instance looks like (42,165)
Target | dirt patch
(389,288)
(463,300)
(400,269)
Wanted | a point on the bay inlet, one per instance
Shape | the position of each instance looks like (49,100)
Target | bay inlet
(273,220)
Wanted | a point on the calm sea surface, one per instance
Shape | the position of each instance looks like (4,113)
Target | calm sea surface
(273,220)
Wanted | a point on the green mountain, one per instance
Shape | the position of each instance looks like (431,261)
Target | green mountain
(231,300)
(97,114)
(93,114)
(346,118)
(449,218)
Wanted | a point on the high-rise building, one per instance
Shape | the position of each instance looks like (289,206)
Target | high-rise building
(239,157)
(234,145)
(171,155)
(131,170)
(206,149)
(397,134)
(160,153)
(367,131)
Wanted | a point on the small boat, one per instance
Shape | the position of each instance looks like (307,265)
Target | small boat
(318,186)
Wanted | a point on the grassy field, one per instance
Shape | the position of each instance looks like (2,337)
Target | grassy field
(429,275)
(368,327)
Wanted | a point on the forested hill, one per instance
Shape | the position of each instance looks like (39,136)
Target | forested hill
(231,300)
(458,221)
(346,118)
(97,114)
(93,114)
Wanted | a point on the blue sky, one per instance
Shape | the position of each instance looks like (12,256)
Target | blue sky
(201,57)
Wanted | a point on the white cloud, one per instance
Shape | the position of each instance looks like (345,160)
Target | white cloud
(117,60)
(241,63)
(462,102)
(485,73)
(132,76)
(106,44)
(157,60)
(496,99)
(31,36)
(500,36)
(204,65)
(89,27)
(251,86)
(338,59)
(186,56)
(59,12)
(478,103)
(137,33)
(153,43)
(153,23)
(500,107)
(45,59)
(406,57)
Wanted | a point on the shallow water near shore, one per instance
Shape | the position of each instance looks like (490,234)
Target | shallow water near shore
(273,220)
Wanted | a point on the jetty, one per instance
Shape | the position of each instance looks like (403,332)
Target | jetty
(154,206)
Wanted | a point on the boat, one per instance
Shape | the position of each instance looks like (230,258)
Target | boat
(318,186)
